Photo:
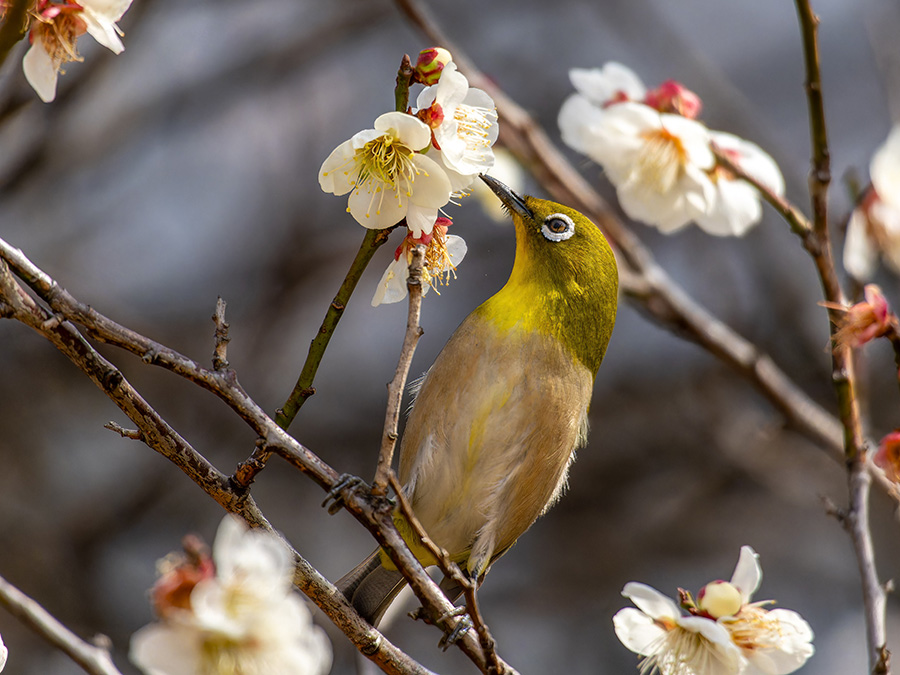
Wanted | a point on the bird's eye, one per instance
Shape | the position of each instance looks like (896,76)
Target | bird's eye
(557,227)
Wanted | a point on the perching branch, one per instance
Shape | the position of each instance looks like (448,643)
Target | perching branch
(369,510)
(398,382)
(452,571)
(92,658)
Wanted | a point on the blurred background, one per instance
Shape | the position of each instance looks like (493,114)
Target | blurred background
(185,169)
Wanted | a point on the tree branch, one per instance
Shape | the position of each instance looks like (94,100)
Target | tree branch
(15,22)
(398,382)
(93,658)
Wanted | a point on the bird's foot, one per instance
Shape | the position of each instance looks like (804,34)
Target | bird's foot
(335,498)
(460,629)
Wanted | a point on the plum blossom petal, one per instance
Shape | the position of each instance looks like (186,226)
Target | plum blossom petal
(610,84)
(387,177)
(40,71)
(464,122)
(747,573)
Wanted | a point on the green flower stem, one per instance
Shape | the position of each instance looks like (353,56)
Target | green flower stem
(304,389)
(13,28)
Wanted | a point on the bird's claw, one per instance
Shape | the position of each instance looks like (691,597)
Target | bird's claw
(461,628)
(335,498)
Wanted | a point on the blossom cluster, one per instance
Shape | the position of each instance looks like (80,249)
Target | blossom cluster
(54,27)
(234,612)
(721,633)
(411,164)
(660,157)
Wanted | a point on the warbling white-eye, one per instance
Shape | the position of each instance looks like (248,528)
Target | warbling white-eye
(501,412)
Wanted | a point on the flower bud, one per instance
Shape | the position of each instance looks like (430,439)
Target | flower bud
(430,64)
(674,97)
(887,457)
(720,598)
(865,320)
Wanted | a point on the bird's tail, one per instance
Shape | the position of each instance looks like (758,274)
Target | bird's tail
(371,588)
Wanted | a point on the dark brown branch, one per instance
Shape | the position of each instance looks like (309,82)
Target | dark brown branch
(452,571)
(15,23)
(92,658)
(220,354)
(162,438)
(398,382)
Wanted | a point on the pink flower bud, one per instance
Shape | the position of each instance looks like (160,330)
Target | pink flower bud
(887,457)
(674,97)
(179,575)
(430,64)
(865,320)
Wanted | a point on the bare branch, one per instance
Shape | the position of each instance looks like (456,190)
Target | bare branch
(220,355)
(92,658)
(398,382)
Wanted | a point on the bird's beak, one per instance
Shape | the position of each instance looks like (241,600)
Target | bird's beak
(512,201)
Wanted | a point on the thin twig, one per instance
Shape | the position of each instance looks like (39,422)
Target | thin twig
(92,658)
(859,480)
(220,354)
(799,223)
(133,434)
(303,389)
(452,571)
(398,382)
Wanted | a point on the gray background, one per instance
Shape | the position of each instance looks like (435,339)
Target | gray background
(186,168)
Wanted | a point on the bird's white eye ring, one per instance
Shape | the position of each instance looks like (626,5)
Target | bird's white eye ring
(557,227)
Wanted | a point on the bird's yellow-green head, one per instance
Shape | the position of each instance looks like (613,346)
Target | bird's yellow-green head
(564,281)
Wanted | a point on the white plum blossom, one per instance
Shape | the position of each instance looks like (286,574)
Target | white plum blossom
(874,228)
(723,633)
(671,643)
(464,122)
(736,207)
(660,163)
(443,253)
(387,176)
(245,619)
(4,653)
(55,32)
(658,156)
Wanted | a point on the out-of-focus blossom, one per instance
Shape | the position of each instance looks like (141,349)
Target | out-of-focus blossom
(658,156)
(659,163)
(464,123)
(887,457)
(387,176)
(874,228)
(430,64)
(246,619)
(864,321)
(55,31)
(4,654)
(674,97)
(507,170)
(736,207)
(442,254)
(723,633)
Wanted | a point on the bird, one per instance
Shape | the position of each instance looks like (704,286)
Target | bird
(498,417)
